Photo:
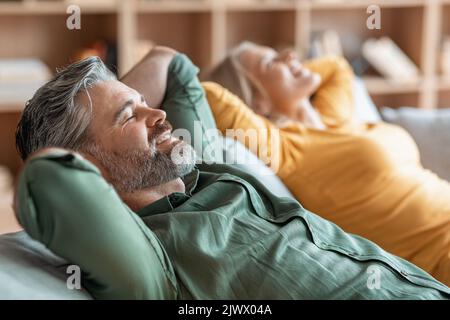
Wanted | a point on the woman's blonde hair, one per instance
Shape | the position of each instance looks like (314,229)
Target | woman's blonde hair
(231,74)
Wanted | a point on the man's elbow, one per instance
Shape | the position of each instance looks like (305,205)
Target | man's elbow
(161,51)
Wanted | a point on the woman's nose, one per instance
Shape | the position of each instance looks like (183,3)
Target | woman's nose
(288,55)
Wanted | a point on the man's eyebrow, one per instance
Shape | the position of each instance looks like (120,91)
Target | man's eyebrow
(127,104)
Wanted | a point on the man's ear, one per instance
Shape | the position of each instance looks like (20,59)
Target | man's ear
(260,104)
(96,162)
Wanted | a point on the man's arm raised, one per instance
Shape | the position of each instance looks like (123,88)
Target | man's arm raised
(149,76)
(63,201)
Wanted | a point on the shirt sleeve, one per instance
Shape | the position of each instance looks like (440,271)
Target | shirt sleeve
(334,97)
(65,203)
(187,108)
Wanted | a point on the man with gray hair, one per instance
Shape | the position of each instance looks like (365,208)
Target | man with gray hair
(107,187)
(64,113)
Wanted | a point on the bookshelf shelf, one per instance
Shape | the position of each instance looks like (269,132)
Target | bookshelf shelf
(262,5)
(52,7)
(342,4)
(380,86)
(148,6)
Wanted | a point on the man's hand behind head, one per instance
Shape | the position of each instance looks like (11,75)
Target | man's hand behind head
(149,76)
(60,152)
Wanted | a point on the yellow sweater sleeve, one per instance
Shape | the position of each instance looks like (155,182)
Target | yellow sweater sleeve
(334,97)
(236,120)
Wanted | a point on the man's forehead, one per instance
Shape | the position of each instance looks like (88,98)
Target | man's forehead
(106,96)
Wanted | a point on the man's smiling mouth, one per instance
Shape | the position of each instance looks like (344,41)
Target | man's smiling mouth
(163,137)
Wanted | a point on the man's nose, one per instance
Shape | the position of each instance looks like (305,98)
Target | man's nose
(155,116)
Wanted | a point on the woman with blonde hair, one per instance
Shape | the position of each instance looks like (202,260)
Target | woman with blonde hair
(365,177)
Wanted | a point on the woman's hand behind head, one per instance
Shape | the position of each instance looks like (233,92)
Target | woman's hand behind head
(278,77)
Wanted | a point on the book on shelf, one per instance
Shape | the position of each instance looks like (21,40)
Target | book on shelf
(90,2)
(326,42)
(389,60)
(20,78)
(20,70)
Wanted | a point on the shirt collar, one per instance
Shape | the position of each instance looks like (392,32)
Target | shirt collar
(190,181)
(164,204)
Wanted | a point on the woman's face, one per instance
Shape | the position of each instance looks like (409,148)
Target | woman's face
(284,79)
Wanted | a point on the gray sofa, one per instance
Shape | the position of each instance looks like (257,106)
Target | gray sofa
(30,271)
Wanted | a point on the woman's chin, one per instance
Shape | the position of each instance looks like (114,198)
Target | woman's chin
(311,85)
(305,89)
(316,80)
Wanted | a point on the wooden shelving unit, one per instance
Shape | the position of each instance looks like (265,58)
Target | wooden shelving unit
(37,7)
(206,29)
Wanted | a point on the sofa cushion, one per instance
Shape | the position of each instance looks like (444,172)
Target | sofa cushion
(431,131)
(238,155)
(30,271)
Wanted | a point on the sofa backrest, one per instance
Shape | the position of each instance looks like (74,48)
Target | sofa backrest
(30,271)
(365,109)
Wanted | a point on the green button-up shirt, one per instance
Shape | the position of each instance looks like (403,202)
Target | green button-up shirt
(227,237)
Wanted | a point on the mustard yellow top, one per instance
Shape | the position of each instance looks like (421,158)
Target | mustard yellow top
(367,178)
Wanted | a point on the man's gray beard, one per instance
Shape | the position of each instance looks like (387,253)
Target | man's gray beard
(134,170)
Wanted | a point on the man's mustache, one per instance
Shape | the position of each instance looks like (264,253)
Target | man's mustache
(159,129)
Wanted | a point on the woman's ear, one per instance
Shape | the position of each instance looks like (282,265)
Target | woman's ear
(260,104)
